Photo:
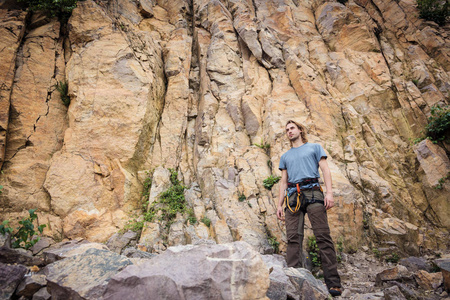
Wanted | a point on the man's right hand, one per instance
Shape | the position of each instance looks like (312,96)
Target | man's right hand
(280,215)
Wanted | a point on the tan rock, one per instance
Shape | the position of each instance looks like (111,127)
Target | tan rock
(36,128)
(93,117)
(396,273)
(428,281)
(433,161)
(12,28)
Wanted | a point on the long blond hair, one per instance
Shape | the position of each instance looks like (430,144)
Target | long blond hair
(302,128)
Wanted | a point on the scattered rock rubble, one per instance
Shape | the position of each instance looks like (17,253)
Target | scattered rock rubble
(79,269)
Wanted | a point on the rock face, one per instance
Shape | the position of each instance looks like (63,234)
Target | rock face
(228,271)
(83,276)
(205,88)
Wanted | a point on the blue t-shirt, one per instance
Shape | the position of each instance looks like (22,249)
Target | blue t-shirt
(302,162)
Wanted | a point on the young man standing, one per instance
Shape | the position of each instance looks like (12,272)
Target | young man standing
(300,183)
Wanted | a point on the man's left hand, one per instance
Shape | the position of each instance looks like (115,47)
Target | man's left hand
(329,201)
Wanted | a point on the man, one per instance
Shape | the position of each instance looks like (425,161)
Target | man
(299,183)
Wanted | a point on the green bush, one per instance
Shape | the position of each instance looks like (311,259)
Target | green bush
(441,182)
(63,88)
(394,258)
(313,251)
(274,243)
(438,123)
(147,185)
(25,234)
(170,202)
(52,8)
(191,217)
(206,221)
(241,198)
(270,181)
(5,229)
(265,147)
(434,10)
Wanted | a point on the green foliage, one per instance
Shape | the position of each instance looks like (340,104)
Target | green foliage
(441,181)
(274,243)
(25,233)
(170,202)
(418,140)
(206,221)
(263,146)
(438,123)
(241,197)
(147,185)
(191,217)
(134,225)
(416,82)
(5,229)
(63,88)
(438,127)
(1,189)
(313,251)
(340,248)
(270,181)
(394,258)
(52,8)
(434,10)
(376,252)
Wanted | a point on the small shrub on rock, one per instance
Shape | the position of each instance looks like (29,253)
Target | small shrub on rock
(270,181)
(25,236)
(52,8)
(434,10)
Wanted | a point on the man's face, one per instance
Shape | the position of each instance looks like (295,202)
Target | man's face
(292,132)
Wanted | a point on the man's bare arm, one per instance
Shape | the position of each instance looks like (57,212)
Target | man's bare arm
(283,187)
(328,201)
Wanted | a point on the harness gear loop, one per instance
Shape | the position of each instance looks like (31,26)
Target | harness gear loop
(297,207)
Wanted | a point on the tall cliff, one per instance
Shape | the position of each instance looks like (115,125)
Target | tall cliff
(204,87)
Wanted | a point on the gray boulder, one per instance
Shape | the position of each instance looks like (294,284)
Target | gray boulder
(393,293)
(84,276)
(292,283)
(444,265)
(303,285)
(69,249)
(278,279)
(10,277)
(136,253)
(42,294)
(19,256)
(30,285)
(226,271)
(414,264)
(119,241)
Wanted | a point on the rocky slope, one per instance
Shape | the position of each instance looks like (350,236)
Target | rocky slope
(78,269)
(196,86)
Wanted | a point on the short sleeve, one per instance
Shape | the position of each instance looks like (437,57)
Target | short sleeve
(282,165)
(320,152)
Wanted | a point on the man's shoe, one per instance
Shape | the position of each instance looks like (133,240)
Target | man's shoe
(335,291)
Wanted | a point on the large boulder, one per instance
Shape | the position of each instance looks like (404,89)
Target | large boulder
(84,276)
(10,277)
(227,271)
(19,256)
(292,283)
(69,249)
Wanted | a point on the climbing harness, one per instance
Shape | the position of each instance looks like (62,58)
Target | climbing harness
(302,202)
